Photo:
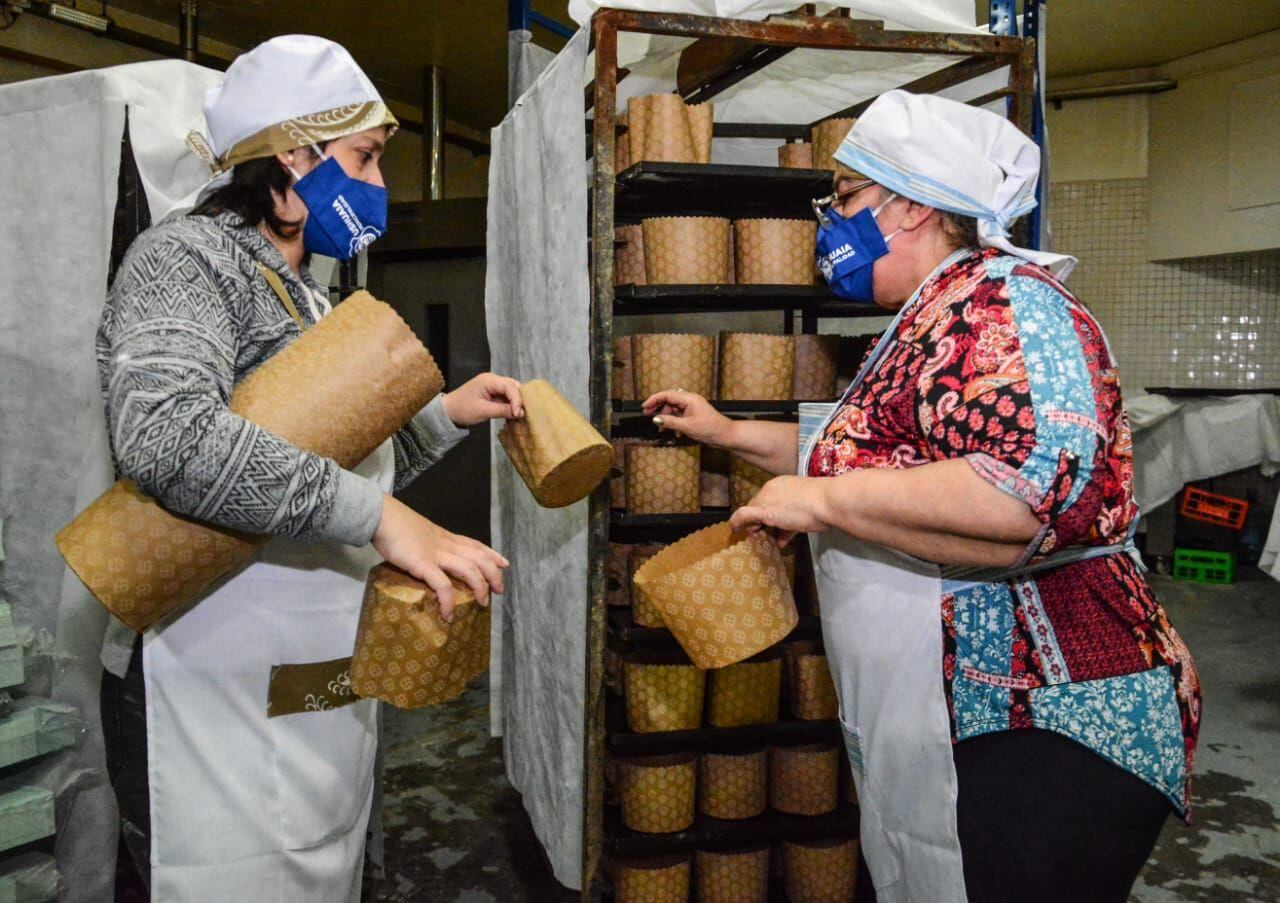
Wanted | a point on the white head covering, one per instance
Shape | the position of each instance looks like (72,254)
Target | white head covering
(291,91)
(954,157)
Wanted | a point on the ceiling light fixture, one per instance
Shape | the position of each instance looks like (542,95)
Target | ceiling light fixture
(72,16)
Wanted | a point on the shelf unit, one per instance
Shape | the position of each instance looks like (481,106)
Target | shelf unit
(731,50)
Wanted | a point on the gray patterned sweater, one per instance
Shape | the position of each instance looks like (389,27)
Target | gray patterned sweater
(188,316)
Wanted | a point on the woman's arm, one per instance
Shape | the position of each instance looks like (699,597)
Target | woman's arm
(769,446)
(941,512)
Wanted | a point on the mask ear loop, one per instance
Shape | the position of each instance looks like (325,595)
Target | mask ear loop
(893,195)
(318,313)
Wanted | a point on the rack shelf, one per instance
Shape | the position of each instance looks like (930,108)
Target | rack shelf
(708,833)
(724,407)
(717,189)
(626,630)
(627,743)
(625,527)
(815,300)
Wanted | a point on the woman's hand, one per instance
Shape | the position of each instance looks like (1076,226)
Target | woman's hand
(787,506)
(485,397)
(433,555)
(690,415)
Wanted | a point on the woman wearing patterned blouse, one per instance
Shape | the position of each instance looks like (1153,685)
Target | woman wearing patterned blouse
(1019,713)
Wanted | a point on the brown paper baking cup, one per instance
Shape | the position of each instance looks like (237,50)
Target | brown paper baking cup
(816,370)
(811,692)
(820,871)
(662,361)
(656,792)
(688,250)
(796,155)
(643,611)
(715,477)
(804,780)
(366,375)
(774,251)
(745,480)
(745,693)
(724,596)
(664,692)
(557,452)
(628,255)
(663,479)
(622,145)
(733,784)
(653,879)
(732,876)
(405,653)
(623,387)
(756,366)
(662,128)
(827,136)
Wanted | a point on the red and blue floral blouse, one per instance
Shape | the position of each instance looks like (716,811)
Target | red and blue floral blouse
(997,363)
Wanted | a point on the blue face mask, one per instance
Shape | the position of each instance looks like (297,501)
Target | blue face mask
(344,215)
(846,249)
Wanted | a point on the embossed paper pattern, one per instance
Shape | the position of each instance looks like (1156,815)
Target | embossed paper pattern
(688,250)
(662,361)
(756,366)
(774,251)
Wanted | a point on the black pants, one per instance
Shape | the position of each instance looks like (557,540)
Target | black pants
(124,729)
(1043,818)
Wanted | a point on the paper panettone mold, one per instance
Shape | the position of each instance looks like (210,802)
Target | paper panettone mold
(756,366)
(804,779)
(745,480)
(657,792)
(405,653)
(774,251)
(628,255)
(662,361)
(663,479)
(748,692)
(623,387)
(820,871)
(732,876)
(653,879)
(827,136)
(715,477)
(662,128)
(664,692)
(796,155)
(733,783)
(810,689)
(643,612)
(557,452)
(688,250)
(617,578)
(366,375)
(817,368)
(724,596)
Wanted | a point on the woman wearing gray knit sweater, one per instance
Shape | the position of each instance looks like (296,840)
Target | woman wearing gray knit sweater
(219,801)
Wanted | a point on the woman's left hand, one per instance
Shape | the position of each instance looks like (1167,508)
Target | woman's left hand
(787,506)
(486,397)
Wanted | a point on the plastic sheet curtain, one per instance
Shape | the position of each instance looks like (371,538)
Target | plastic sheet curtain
(537,310)
(60,143)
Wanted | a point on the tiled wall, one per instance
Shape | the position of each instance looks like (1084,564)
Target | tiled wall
(1209,322)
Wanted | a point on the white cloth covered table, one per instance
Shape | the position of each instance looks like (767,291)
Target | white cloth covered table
(1177,441)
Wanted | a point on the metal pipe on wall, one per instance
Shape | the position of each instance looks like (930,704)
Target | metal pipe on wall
(189,30)
(433,133)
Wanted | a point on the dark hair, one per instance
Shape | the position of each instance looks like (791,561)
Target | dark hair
(961,231)
(251,194)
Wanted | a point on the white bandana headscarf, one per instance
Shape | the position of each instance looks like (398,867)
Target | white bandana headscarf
(954,157)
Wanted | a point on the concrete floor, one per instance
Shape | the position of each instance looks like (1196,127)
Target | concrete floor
(456,833)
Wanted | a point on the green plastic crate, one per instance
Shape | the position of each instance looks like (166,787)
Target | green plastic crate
(1203,566)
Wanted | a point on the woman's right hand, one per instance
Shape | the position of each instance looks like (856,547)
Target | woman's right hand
(690,415)
(431,553)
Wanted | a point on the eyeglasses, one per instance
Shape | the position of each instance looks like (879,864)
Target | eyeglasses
(822,205)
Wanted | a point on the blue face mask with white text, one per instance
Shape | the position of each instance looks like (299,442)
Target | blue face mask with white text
(344,215)
(846,249)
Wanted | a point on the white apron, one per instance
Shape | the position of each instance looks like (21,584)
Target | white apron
(882,628)
(246,807)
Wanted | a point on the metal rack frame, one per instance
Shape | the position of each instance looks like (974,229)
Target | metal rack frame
(728,50)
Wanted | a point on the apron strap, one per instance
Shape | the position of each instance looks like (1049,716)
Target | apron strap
(277,286)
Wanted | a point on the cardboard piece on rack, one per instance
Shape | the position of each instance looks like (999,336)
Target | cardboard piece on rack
(366,375)
(405,653)
(724,596)
(560,456)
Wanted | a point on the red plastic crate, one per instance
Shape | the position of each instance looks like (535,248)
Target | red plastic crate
(1221,510)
